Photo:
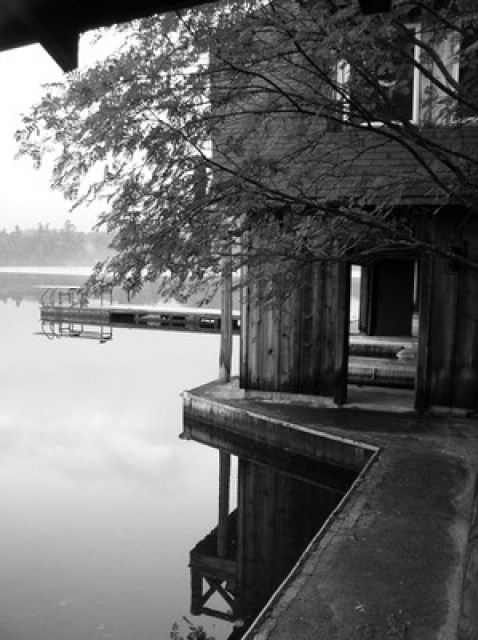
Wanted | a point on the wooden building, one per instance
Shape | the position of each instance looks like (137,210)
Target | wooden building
(302,345)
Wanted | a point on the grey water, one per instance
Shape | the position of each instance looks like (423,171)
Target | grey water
(100,500)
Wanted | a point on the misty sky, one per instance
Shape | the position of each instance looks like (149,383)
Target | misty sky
(25,196)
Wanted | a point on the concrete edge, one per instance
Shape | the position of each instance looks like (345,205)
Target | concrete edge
(232,391)
(191,398)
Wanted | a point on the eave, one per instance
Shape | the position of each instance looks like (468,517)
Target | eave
(57,25)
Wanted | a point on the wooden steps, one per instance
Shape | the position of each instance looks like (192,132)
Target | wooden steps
(373,361)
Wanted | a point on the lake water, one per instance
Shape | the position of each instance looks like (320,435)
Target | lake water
(100,500)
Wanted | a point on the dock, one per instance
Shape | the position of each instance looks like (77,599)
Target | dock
(68,312)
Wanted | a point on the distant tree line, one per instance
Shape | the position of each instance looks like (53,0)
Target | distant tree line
(52,247)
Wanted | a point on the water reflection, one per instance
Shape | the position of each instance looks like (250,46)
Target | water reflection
(100,500)
(282,501)
(28,287)
(76,330)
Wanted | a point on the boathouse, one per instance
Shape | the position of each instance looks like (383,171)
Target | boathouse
(302,345)
(366,572)
(393,562)
(416,296)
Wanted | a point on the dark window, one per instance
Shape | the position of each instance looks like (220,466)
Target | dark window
(385,86)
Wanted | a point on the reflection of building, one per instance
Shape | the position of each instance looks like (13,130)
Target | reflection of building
(283,498)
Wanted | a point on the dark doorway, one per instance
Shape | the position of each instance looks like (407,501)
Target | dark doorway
(390,294)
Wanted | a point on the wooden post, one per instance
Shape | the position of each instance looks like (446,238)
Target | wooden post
(342,332)
(224,478)
(244,302)
(225,354)
(364,304)
(422,379)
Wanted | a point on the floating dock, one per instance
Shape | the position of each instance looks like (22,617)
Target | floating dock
(68,312)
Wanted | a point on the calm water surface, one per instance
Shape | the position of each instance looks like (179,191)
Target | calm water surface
(100,500)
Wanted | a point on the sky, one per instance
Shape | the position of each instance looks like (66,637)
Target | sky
(26,198)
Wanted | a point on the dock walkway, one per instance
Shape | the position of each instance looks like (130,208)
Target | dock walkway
(139,317)
(398,557)
(65,311)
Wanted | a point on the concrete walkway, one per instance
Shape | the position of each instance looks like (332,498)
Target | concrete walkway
(398,559)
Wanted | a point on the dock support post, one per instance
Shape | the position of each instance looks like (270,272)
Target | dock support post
(224,479)
(225,354)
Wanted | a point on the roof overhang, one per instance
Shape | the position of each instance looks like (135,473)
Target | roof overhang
(57,24)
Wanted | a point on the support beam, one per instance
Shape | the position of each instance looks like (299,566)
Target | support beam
(62,44)
(63,48)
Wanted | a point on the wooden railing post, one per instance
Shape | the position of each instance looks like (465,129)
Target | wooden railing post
(225,354)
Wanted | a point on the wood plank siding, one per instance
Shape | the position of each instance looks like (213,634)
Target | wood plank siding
(447,372)
(299,344)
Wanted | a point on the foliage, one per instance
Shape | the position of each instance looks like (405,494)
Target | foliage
(240,124)
(51,247)
(195,632)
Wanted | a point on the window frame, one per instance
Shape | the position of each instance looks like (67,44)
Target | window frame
(343,77)
(456,41)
